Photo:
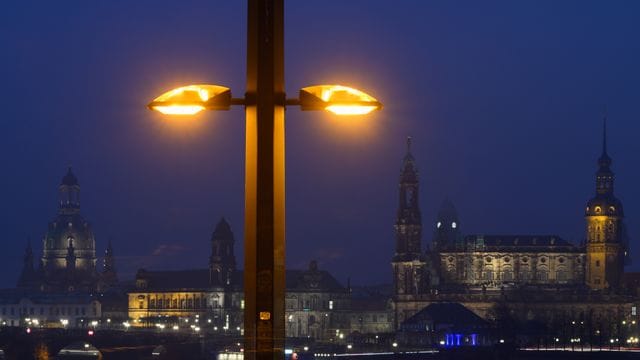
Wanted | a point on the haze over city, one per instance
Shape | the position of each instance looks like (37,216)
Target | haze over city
(504,102)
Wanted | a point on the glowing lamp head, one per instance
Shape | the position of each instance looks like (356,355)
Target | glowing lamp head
(338,99)
(191,99)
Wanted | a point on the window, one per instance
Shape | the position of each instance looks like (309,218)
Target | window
(141,305)
(561,276)
(597,263)
(507,275)
(543,275)
(330,304)
(487,275)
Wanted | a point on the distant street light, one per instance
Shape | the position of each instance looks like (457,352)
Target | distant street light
(264,101)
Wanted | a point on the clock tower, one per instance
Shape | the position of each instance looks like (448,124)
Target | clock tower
(606,247)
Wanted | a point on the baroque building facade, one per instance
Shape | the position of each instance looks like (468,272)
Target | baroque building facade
(316,304)
(543,277)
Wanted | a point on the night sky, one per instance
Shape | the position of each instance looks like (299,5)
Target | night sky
(504,101)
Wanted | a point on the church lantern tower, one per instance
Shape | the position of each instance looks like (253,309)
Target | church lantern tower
(604,216)
(408,262)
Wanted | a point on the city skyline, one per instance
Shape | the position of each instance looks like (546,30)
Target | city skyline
(157,189)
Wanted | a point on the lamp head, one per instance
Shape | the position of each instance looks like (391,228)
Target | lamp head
(191,99)
(340,100)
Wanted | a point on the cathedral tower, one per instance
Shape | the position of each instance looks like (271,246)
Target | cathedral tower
(604,220)
(408,262)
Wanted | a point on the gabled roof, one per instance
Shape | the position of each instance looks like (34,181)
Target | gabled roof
(198,279)
(450,314)
(518,243)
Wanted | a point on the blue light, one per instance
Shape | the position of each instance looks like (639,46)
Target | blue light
(474,340)
(458,336)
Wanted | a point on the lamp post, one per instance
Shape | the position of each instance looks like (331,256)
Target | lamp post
(265,101)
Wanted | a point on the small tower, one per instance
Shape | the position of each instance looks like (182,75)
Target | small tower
(408,262)
(69,194)
(28,275)
(222,263)
(109,275)
(604,226)
(447,230)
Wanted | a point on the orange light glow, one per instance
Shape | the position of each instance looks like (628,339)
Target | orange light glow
(179,109)
(191,99)
(340,100)
(350,109)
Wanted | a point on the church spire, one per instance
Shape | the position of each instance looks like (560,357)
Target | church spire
(604,161)
(604,175)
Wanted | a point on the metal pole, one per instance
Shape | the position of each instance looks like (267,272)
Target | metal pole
(264,273)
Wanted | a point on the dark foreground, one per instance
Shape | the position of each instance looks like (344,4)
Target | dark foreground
(139,345)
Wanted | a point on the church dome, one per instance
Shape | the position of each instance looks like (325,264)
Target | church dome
(66,227)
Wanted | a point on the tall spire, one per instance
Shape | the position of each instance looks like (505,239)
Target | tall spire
(604,135)
(408,144)
(604,161)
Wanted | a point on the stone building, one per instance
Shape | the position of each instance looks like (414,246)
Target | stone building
(316,304)
(537,276)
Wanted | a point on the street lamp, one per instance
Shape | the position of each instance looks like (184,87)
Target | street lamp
(191,99)
(264,101)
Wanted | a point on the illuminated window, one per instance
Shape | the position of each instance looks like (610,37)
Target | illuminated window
(598,209)
(241,304)
(454,225)
(439,224)
(330,304)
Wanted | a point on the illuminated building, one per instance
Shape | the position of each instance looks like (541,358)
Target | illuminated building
(68,262)
(537,277)
(316,304)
